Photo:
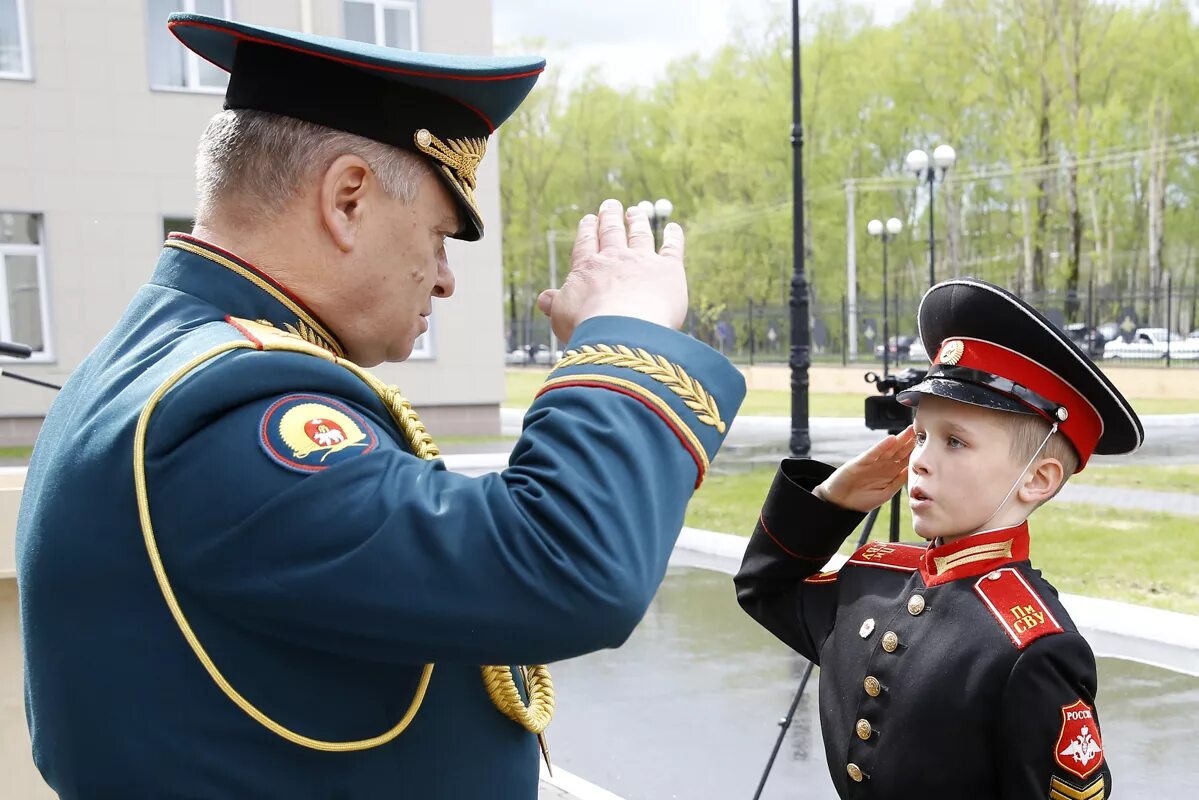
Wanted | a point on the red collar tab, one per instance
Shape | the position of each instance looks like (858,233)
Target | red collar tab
(974,555)
(889,555)
(1082,426)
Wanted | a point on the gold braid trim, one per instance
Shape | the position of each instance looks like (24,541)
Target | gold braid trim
(501,687)
(168,593)
(671,375)
(499,681)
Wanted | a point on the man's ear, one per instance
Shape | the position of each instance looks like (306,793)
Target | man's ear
(1042,483)
(343,187)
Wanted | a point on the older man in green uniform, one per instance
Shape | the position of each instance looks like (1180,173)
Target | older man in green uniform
(243,570)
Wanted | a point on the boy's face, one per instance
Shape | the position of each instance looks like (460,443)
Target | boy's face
(960,470)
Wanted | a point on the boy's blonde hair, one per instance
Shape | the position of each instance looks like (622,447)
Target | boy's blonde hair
(1028,431)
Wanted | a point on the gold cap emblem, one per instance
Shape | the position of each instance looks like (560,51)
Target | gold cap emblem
(458,159)
(951,352)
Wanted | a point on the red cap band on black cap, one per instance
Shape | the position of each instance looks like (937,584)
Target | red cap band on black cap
(1082,426)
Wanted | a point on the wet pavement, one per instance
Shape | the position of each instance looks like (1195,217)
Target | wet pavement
(688,708)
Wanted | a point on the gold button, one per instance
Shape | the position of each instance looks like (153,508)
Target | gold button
(993,576)
(864,730)
(423,137)
(855,772)
(867,628)
(915,605)
(890,641)
(872,686)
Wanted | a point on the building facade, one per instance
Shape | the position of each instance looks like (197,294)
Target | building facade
(100,112)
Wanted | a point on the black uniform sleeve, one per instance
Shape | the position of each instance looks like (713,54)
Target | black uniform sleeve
(1050,742)
(795,536)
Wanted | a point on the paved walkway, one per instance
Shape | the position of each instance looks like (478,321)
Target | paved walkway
(1136,499)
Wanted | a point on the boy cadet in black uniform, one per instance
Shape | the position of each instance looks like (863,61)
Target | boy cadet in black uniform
(950,669)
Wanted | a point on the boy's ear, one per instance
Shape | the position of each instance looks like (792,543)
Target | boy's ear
(1046,476)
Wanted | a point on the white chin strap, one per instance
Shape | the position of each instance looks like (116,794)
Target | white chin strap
(1020,477)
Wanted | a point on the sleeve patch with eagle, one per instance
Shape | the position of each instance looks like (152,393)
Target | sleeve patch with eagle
(309,433)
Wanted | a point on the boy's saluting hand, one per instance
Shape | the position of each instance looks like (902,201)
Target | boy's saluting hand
(869,480)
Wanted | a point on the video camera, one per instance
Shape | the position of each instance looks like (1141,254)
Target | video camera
(884,412)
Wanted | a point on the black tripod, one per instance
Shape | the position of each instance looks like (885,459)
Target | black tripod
(785,722)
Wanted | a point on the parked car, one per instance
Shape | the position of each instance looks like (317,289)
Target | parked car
(1151,343)
(1109,330)
(917,354)
(1089,340)
(531,354)
(898,349)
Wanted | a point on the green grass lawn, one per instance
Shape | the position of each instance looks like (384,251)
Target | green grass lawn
(1181,478)
(523,383)
(1132,556)
(1166,405)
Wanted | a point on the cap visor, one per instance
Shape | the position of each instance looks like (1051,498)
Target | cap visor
(962,393)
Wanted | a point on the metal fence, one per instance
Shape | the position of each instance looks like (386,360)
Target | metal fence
(1111,324)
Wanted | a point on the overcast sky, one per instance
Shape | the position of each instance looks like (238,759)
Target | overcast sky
(632,41)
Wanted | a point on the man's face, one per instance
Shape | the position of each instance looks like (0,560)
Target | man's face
(961,467)
(399,267)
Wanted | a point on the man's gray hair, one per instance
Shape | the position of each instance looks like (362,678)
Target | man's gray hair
(257,161)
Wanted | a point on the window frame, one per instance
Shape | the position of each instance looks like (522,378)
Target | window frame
(426,350)
(26,73)
(412,6)
(191,64)
(46,354)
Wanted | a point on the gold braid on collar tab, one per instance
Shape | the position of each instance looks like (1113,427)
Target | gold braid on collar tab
(460,158)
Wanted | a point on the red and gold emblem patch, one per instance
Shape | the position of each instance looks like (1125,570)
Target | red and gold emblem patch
(1079,749)
(310,433)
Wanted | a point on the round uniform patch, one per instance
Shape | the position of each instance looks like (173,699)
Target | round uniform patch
(309,433)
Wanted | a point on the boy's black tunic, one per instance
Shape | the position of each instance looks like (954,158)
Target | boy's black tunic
(945,672)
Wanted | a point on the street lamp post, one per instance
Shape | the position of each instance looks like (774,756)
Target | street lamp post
(659,214)
(918,163)
(886,232)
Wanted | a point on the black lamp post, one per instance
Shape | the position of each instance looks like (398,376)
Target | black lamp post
(659,214)
(887,232)
(801,358)
(918,164)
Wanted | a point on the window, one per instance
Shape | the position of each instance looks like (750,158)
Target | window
(423,348)
(176,225)
(22,280)
(14,43)
(173,66)
(387,22)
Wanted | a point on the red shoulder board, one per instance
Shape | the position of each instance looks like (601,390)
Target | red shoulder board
(822,577)
(889,555)
(1020,611)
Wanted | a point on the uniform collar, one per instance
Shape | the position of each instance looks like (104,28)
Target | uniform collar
(239,288)
(974,555)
